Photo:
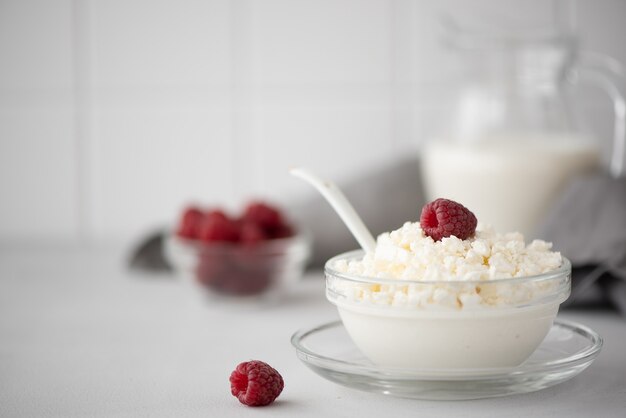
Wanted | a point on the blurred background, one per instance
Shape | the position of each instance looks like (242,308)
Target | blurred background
(115,114)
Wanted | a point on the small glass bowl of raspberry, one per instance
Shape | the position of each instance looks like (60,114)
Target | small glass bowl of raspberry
(259,253)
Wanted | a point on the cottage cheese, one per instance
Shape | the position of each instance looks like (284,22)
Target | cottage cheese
(457,265)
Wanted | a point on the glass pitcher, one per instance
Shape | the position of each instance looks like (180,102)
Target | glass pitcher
(515,136)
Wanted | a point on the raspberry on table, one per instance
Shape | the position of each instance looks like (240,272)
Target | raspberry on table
(256,383)
(442,218)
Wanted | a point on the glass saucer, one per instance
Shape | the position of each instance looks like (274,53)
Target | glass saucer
(566,351)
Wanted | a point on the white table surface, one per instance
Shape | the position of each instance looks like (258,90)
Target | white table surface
(81,336)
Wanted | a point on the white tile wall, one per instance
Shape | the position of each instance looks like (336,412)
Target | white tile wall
(114,113)
(38,191)
(161,110)
(321,42)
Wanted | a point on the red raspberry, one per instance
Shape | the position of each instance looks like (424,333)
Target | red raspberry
(284,231)
(211,269)
(218,227)
(216,214)
(252,233)
(256,383)
(242,283)
(190,223)
(442,218)
(266,216)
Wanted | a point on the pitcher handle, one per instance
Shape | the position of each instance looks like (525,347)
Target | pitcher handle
(610,75)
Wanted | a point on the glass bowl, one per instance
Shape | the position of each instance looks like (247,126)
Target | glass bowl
(446,324)
(264,269)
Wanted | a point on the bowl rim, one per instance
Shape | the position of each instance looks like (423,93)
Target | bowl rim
(564,270)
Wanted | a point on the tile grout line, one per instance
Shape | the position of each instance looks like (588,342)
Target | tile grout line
(235,97)
(415,135)
(400,56)
(244,103)
(393,69)
(82,108)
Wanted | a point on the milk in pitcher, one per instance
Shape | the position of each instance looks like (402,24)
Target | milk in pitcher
(510,180)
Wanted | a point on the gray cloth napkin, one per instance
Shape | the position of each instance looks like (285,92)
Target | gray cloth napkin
(588,225)
(384,197)
(148,255)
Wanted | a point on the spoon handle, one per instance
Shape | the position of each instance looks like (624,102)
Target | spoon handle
(342,206)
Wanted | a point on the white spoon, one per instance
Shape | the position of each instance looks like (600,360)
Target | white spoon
(342,206)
